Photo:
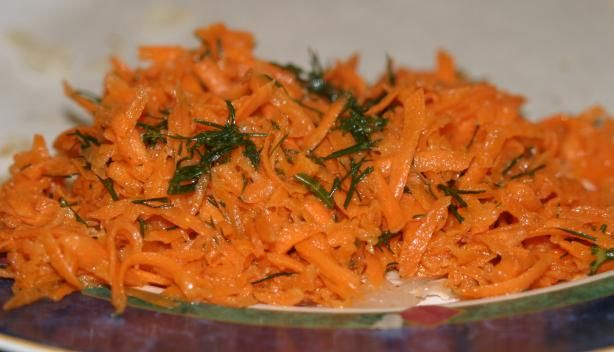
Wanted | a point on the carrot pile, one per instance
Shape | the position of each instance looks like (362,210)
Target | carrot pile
(223,178)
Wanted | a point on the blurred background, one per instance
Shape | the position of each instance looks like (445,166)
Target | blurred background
(558,54)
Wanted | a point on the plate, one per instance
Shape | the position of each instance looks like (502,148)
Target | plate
(568,319)
(558,54)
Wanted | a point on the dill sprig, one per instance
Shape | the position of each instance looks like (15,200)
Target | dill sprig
(213,147)
(473,135)
(390,76)
(603,228)
(272,276)
(529,173)
(153,134)
(454,210)
(356,148)
(356,176)
(317,189)
(383,240)
(515,160)
(602,255)
(359,125)
(314,79)
(578,233)
(142,226)
(456,193)
(279,143)
(65,204)
(108,185)
(353,119)
(85,140)
(87,95)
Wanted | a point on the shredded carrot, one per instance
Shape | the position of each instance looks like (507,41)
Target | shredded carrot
(224,178)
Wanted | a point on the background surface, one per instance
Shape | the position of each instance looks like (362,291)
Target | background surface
(559,54)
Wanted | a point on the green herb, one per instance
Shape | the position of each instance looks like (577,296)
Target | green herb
(359,125)
(211,200)
(316,189)
(85,140)
(217,144)
(373,101)
(292,68)
(530,172)
(603,228)
(602,255)
(275,125)
(392,80)
(153,134)
(383,240)
(473,135)
(511,164)
(141,226)
(355,121)
(428,184)
(244,183)
(578,233)
(108,184)
(280,142)
(356,148)
(62,176)
(185,178)
(454,210)
(65,204)
(418,216)
(88,96)
(525,154)
(456,193)
(272,276)
(158,202)
(315,82)
(356,176)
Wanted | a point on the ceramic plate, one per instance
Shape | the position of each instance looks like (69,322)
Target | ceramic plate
(556,53)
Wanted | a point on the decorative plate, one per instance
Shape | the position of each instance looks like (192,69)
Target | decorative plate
(557,53)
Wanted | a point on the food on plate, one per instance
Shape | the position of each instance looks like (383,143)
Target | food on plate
(220,177)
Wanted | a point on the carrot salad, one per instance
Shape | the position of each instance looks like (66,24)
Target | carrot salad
(220,177)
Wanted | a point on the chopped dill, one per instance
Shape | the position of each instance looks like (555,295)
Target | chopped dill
(108,185)
(578,233)
(213,147)
(316,189)
(85,140)
(383,240)
(272,276)
(65,204)
(602,255)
